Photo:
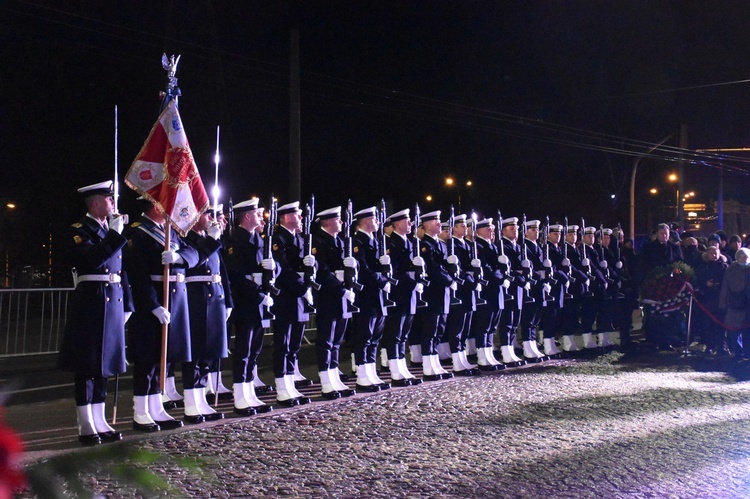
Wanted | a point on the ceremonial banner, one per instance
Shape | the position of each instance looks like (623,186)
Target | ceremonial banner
(165,172)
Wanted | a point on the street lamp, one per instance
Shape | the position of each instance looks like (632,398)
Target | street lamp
(672,177)
(450,182)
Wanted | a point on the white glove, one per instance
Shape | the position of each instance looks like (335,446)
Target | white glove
(526,263)
(585,262)
(229,312)
(478,289)
(527,286)
(267,301)
(587,282)
(452,260)
(618,265)
(349,295)
(502,260)
(385,260)
(308,261)
(116,223)
(603,264)
(454,285)
(419,288)
(546,288)
(171,257)
(387,287)
(566,262)
(308,296)
(268,264)
(476,263)
(350,262)
(214,231)
(417,261)
(126,316)
(547,263)
(606,285)
(506,283)
(162,314)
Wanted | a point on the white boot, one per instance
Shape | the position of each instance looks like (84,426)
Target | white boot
(490,356)
(282,393)
(458,366)
(513,355)
(203,406)
(298,375)
(383,357)
(334,377)
(156,409)
(86,425)
(393,367)
(438,368)
(444,351)
(471,346)
(465,361)
(291,388)
(508,357)
(416,354)
(364,383)
(372,373)
(404,370)
(170,390)
(569,343)
(326,385)
(191,403)
(240,391)
(257,382)
(253,399)
(589,341)
(605,341)
(550,348)
(141,414)
(427,366)
(100,419)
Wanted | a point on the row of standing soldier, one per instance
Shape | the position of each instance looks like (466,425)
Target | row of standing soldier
(442,295)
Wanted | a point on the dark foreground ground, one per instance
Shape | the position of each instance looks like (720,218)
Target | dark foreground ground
(610,425)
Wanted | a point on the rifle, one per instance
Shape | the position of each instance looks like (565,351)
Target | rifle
(230,222)
(548,270)
(589,275)
(607,275)
(268,276)
(506,296)
(386,270)
(419,271)
(526,263)
(478,271)
(454,269)
(351,281)
(309,272)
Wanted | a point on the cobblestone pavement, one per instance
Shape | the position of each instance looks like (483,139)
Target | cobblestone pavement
(612,426)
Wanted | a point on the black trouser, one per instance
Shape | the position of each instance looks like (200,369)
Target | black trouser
(146,378)
(89,389)
(530,320)
(457,327)
(330,335)
(368,331)
(551,321)
(195,374)
(589,310)
(508,325)
(287,340)
(396,333)
(248,342)
(433,326)
(570,313)
(607,315)
(484,323)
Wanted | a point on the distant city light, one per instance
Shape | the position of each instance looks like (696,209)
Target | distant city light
(428,198)
(11,206)
(653,190)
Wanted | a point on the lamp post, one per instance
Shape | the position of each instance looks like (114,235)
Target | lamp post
(674,178)
(632,184)
(451,182)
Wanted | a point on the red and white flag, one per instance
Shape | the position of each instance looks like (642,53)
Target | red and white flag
(166,174)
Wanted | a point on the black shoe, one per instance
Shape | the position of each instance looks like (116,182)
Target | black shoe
(262,390)
(431,377)
(89,440)
(384,386)
(400,382)
(500,367)
(446,375)
(173,404)
(262,409)
(348,392)
(147,427)
(303,383)
(288,402)
(346,377)
(224,397)
(110,436)
(415,381)
(192,419)
(171,424)
(214,416)
(247,411)
(532,360)
(488,368)
(415,364)
(331,395)
(463,373)
(304,400)
(368,388)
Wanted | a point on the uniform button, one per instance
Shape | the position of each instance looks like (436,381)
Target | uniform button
(108,298)
(106,270)
(120,285)
(119,256)
(221,296)
(173,290)
(119,299)
(208,284)
(106,284)
(209,295)
(208,271)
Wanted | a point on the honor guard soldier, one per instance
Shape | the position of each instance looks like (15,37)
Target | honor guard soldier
(437,295)
(144,258)
(592,303)
(398,322)
(293,304)
(551,320)
(510,317)
(611,299)
(333,301)
(578,288)
(486,319)
(245,259)
(370,321)
(458,322)
(93,344)
(210,302)
(534,261)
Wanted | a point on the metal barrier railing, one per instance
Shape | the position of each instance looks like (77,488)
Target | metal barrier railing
(32,320)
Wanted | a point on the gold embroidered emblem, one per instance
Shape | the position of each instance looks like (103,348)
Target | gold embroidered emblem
(356,249)
(77,239)
(314,251)
(77,225)
(135,224)
(424,250)
(276,247)
(231,250)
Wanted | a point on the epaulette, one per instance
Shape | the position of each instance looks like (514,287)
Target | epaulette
(77,225)
(135,224)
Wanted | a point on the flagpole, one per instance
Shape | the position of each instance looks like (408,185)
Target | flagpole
(116,187)
(165,304)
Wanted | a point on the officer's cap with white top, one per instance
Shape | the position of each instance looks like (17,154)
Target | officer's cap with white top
(556,228)
(459,219)
(328,214)
(572,229)
(589,230)
(445,226)
(366,213)
(607,232)
(485,222)
(433,215)
(399,215)
(508,222)
(249,205)
(102,189)
(289,208)
(218,208)
(533,224)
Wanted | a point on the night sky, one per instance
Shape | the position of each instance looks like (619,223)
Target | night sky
(534,101)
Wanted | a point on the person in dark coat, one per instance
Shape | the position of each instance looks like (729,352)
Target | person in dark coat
(735,299)
(660,251)
(93,344)
(709,275)
(510,317)
(534,260)
(579,289)
(551,320)
(144,258)
(246,259)
(210,302)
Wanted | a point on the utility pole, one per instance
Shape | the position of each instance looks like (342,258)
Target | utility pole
(681,177)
